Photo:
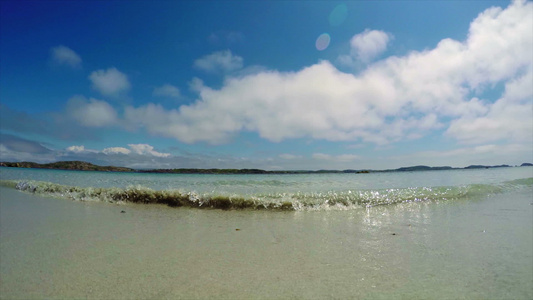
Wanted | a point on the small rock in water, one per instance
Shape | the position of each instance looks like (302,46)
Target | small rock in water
(122,211)
(393,233)
(237,229)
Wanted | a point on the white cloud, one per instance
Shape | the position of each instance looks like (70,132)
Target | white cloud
(509,118)
(520,88)
(222,61)
(167,90)
(145,149)
(116,150)
(80,149)
(110,82)
(396,99)
(76,149)
(91,112)
(366,46)
(319,101)
(504,121)
(135,149)
(369,44)
(62,55)
(196,84)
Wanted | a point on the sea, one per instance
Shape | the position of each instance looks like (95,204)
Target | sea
(451,234)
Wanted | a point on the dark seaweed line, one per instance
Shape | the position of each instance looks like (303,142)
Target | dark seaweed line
(170,198)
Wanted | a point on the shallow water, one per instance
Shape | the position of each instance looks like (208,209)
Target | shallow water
(271,192)
(271,183)
(478,246)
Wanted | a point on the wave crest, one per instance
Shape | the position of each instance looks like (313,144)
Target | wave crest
(331,200)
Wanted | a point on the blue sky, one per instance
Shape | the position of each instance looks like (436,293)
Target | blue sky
(267,84)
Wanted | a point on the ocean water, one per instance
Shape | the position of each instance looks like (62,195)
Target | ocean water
(457,234)
(285,192)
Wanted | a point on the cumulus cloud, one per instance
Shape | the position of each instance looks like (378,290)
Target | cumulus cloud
(395,99)
(503,120)
(167,90)
(134,149)
(369,44)
(366,46)
(76,149)
(319,102)
(110,82)
(116,150)
(222,61)
(145,149)
(80,149)
(91,112)
(62,55)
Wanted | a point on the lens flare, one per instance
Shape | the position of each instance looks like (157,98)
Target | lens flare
(322,42)
(338,15)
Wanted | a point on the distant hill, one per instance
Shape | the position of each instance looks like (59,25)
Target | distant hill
(85,166)
(66,165)
(421,168)
(526,165)
(486,167)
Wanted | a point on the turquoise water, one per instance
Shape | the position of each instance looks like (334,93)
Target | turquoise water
(292,183)
(293,192)
(473,245)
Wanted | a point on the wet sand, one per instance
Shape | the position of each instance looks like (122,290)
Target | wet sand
(474,248)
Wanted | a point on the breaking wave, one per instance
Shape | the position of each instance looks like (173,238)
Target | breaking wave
(332,200)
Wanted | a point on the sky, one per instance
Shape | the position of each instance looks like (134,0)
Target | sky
(291,85)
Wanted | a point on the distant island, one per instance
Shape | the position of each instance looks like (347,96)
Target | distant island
(86,166)
(66,165)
